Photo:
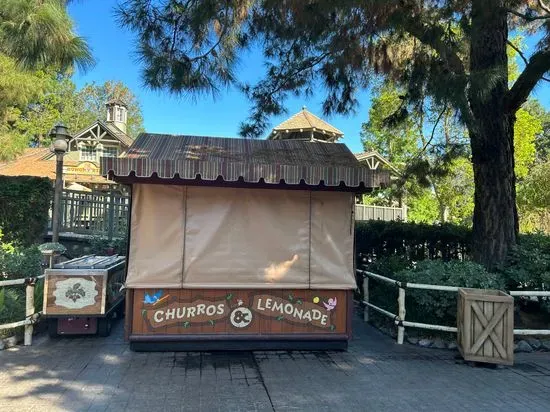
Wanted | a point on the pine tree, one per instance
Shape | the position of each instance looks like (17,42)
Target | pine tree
(453,51)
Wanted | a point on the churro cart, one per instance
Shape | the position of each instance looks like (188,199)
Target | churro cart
(240,244)
(82,295)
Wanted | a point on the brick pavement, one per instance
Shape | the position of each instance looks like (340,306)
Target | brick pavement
(102,374)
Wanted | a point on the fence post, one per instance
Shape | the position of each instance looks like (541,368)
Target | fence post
(400,328)
(29,310)
(366,298)
(111,215)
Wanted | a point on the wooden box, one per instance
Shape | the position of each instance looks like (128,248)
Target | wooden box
(485,326)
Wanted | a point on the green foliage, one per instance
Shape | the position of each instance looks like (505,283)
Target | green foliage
(21,263)
(100,245)
(440,307)
(397,143)
(24,205)
(533,196)
(12,307)
(40,33)
(526,128)
(528,265)
(411,241)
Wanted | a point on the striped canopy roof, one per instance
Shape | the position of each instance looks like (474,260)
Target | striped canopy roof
(252,161)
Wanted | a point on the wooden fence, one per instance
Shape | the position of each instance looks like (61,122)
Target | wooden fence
(30,316)
(370,212)
(399,318)
(94,213)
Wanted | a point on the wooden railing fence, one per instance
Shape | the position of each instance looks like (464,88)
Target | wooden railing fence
(399,318)
(94,213)
(30,315)
(370,212)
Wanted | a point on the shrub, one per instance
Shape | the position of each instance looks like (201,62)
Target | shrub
(412,241)
(429,306)
(24,205)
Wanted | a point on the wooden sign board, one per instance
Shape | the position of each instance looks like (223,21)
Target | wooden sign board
(83,292)
(229,312)
(74,295)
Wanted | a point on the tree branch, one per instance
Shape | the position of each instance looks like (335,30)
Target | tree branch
(544,6)
(529,17)
(538,64)
(513,46)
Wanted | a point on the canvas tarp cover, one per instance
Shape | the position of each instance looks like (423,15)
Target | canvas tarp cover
(201,237)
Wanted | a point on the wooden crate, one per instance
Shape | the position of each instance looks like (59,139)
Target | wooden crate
(485,323)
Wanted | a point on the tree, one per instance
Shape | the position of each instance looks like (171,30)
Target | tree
(453,51)
(17,90)
(76,108)
(92,99)
(40,34)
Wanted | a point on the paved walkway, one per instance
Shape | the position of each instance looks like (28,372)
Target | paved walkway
(98,374)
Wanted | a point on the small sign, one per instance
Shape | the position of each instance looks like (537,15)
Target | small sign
(84,168)
(75,293)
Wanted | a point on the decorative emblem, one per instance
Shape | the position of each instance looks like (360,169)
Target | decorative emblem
(75,293)
(241,317)
(331,304)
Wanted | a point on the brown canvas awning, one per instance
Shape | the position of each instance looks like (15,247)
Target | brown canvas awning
(250,161)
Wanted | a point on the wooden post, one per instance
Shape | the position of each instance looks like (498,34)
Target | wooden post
(29,311)
(366,298)
(111,214)
(401,313)
(56,214)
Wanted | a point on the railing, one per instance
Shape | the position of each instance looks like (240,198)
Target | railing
(399,318)
(94,213)
(30,316)
(370,212)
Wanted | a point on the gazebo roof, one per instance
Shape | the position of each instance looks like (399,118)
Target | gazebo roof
(201,158)
(305,123)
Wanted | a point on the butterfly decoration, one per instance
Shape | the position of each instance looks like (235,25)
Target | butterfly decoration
(330,304)
(152,299)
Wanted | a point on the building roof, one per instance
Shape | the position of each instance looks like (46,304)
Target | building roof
(251,161)
(40,162)
(373,158)
(32,162)
(110,128)
(304,121)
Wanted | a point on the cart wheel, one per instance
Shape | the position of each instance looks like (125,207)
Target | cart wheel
(104,326)
(52,328)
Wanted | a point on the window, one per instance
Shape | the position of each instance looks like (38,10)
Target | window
(88,152)
(110,152)
(119,115)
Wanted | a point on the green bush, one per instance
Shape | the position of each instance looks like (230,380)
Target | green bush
(12,307)
(430,306)
(20,263)
(24,205)
(412,241)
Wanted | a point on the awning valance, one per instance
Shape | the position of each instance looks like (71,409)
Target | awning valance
(251,161)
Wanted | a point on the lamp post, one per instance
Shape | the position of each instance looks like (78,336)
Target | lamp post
(59,135)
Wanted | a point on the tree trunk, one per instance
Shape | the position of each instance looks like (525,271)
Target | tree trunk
(495,223)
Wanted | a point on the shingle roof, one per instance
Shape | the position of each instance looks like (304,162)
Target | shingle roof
(305,120)
(30,163)
(273,161)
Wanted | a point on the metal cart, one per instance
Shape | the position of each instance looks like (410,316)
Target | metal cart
(81,296)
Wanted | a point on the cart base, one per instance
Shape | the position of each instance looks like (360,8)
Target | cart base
(237,345)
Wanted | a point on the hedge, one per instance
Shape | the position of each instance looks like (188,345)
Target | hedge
(24,205)
(411,241)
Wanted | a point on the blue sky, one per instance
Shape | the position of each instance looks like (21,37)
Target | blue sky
(113,49)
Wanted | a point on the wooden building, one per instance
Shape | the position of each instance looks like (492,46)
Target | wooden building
(85,147)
